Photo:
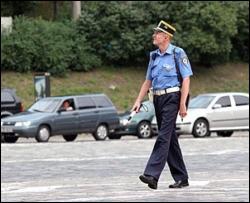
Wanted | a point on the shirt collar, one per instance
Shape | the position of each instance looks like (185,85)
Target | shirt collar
(169,50)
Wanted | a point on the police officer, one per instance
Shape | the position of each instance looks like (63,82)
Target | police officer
(170,94)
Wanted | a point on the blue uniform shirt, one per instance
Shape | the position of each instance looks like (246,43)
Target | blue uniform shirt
(162,71)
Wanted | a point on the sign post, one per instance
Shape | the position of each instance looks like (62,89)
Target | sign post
(42,85)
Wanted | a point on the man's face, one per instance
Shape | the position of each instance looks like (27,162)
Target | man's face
(159,38)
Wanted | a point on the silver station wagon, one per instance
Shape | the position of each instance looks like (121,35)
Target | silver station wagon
(222,113)
(67,116)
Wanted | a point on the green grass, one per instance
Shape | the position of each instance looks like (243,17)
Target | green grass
(122,85)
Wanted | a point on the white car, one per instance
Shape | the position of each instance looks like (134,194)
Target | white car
(223,113)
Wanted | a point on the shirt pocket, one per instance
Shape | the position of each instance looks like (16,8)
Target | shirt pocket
(168,70)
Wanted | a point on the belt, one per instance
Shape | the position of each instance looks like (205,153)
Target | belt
(166,91)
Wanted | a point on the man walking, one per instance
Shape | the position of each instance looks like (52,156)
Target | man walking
(166,64)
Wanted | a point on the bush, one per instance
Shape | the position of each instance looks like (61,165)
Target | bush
(240,51)
(121,32)
(43,46)
(118,32)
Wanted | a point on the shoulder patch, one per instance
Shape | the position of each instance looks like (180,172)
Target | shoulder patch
(185,60)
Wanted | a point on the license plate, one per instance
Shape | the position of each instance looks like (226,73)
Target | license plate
(6,129)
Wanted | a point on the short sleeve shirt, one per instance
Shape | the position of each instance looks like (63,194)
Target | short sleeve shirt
(162,71)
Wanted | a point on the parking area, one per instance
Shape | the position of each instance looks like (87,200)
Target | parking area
(89,170)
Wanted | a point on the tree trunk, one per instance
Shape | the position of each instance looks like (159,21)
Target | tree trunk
(76,10)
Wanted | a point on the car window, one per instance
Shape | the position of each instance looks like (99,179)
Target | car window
(102,101)
(7,97)
(200,102)
(224,101)
(85,103)
(241,100)
(68,105)
(45,105)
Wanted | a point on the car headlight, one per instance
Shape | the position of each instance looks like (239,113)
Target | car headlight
(123,122)
(1,123)
(24,124)
(154,121)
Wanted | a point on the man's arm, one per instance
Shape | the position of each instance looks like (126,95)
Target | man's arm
(144,89)
(184,94)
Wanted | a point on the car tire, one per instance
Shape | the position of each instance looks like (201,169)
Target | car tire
(144,130)
(225,133)
(70,138)
(201,128)
(10,139)
(101,132)
(43,134)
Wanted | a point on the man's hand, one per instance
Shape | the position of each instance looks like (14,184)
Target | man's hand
(182,110)
(136,106)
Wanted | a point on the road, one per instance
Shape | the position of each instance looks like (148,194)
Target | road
(101,171)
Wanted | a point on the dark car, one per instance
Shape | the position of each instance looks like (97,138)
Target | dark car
(10,104)
(93,113)
(139,125)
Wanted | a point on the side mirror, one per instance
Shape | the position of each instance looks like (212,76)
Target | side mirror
(217,106)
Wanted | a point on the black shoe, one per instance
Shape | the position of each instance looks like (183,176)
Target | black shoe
(179,184)
(150,180)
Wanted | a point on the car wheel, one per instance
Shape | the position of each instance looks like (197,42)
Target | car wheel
(225,133)
(144,130)
(101,132)
(43,134)
(201,128)
(10,139)
(70,138)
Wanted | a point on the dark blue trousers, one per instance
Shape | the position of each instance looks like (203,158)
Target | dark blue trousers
(166,148)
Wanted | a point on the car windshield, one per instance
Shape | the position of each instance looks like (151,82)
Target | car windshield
(45,105)
(200,102)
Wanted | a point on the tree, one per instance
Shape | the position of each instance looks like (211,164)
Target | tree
(76,10)
(14,8)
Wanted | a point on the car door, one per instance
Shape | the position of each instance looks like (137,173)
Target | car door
(241,111)
(67,122)
(88,114)
(221,114)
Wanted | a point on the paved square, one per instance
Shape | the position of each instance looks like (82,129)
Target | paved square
(89,170)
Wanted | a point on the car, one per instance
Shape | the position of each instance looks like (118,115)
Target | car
(222,113)
(91,113)
(10,104)
(139,125)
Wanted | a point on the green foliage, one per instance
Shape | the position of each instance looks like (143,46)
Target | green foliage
(37,45)
(116,31)
(84,58)
(43,46)
(240,41)
(119,33)
(206,36)
(14,8)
